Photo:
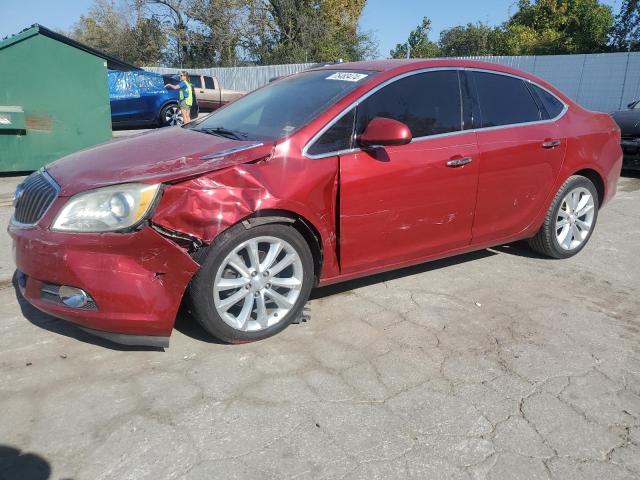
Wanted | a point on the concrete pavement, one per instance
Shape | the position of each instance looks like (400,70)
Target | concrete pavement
(497,364)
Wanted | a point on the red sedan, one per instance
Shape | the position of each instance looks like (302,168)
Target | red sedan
(321,177)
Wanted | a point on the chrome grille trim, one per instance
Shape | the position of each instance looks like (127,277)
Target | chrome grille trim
(34,198)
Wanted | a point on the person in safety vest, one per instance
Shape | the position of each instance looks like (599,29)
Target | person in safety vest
(186,95)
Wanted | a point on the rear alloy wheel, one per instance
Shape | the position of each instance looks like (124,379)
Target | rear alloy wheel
(252,283)
(171,115)
(570,220)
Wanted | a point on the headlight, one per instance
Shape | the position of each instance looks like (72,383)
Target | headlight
(106,209)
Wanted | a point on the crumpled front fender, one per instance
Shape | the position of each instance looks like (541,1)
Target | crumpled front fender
(206,206)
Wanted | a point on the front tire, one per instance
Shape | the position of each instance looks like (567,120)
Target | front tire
(570,220)
(252,283)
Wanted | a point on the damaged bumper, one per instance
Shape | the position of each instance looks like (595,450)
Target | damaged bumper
(133,282)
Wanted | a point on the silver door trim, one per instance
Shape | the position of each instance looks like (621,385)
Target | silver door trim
(366,95)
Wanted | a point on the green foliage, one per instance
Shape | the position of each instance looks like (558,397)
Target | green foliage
(108,28)
(538,27)
(296,31)
(555,27)
(216,34)
(626,31)
(418,42)
(470,40)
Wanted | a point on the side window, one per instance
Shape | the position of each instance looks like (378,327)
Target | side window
(552,105)
(208,83)
(122,85)
(150,83)
(338,137)
(504,100)
(195,81)
(428,103)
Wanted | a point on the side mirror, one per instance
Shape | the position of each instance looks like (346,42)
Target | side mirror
(385,132)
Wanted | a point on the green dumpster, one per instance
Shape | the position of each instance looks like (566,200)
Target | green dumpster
(54,98)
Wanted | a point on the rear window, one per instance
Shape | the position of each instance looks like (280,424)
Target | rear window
(551,104)
(504,100)
(282,107)
(208,83)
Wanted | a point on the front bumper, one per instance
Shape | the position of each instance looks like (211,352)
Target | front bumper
(136,280)
(631,149)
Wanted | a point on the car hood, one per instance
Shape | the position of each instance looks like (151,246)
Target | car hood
(164,155)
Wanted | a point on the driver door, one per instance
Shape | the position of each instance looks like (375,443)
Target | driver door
(403,203)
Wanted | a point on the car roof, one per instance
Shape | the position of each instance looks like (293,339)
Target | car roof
(420,63)
(395,67)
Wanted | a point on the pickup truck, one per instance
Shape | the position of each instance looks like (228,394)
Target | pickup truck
(209,94)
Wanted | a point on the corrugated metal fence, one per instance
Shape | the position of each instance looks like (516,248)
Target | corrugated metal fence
(242,78)
(605,82)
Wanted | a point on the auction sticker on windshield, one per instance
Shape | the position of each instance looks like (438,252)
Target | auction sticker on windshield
(347,76)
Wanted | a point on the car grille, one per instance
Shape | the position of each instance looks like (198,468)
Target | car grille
(33,197)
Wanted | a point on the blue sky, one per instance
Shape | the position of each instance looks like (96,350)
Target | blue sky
(389,20)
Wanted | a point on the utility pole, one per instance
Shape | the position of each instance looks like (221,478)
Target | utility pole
(408,50)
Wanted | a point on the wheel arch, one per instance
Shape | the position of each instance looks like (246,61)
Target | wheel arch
(163,106)
(306,228)
(596,179)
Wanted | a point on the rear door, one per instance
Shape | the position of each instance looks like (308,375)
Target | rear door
(124,94)
(521,151)
(402,203)
(150,86)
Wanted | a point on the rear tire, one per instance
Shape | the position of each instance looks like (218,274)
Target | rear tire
(171,115)
(242,293)
(570,220)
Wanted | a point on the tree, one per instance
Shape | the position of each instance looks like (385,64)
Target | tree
(342,40)
(419,43)
(469,40)
(296,31)
(110,28)
(202,33)
(174,18)
(218,32)
(555,27)
(625,35)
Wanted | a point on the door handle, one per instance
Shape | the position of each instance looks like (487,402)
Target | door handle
(201,91)
(551,144)
(458,162)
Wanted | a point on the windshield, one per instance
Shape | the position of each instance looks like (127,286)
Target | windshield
(282,107)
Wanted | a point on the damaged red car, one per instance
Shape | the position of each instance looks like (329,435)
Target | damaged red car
(320,177)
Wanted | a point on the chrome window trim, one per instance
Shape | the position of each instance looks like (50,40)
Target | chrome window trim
(429,137)
(56,187)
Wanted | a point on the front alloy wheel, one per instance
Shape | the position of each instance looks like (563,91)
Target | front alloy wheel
(258,283)
(252,283)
